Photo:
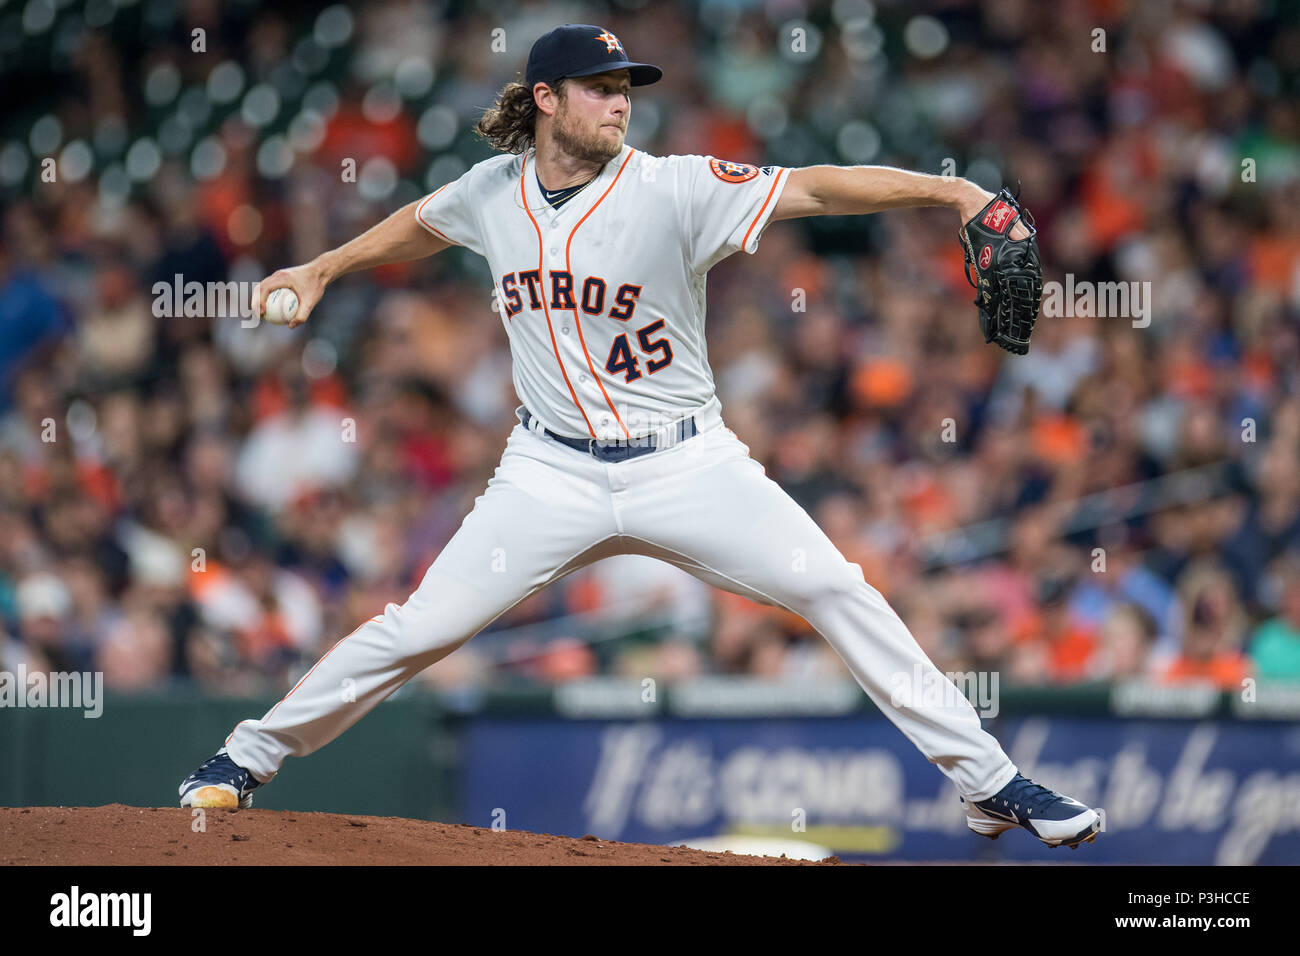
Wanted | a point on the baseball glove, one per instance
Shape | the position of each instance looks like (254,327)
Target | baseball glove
(1008,277)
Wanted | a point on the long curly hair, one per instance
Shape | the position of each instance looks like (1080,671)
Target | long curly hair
(510,125)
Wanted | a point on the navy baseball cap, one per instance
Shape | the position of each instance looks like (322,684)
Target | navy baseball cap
(580,49)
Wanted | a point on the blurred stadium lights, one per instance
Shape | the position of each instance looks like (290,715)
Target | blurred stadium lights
(100,13)
(844,11)
(76,160)
(381,104)
(143,159)
(225,82)
(162,84)
(333,26)
(925,36)
(208,159)
(858,142)
(414,77)
(46,135)
(13,163)
(114,185)
(377,178)
(275,157)
(38,16)
(194,106)
(437,127)
(322,98)
(319,358)
(443,170)
(260,106)
(306,131)
(861,39)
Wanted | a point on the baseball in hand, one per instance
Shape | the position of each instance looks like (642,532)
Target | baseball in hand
(280,307)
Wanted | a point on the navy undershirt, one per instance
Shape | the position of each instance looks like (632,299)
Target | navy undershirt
(558,197)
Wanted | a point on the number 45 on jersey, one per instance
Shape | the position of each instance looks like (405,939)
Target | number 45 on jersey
(622,360)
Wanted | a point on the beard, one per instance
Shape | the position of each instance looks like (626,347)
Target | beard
(590,146)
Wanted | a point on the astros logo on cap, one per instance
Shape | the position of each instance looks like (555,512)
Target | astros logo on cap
(730,172)
(611,42)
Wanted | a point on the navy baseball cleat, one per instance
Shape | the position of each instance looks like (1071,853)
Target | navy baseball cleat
(219,782)
(1054,819)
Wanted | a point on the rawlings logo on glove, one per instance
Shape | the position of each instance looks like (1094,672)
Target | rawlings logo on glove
(1008,273)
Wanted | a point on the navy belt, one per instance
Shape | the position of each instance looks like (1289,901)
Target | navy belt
(618,449)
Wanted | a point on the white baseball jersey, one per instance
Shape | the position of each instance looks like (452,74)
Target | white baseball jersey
(603,299)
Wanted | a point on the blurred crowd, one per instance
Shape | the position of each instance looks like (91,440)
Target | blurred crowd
(188,501)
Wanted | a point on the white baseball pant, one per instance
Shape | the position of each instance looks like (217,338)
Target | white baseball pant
(704,506)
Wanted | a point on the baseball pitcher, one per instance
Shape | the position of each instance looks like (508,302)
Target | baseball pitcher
(599,253)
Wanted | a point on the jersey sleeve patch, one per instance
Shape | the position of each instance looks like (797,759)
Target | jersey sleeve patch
(730,172)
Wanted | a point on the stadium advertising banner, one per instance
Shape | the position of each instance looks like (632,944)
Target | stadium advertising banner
(1173,791)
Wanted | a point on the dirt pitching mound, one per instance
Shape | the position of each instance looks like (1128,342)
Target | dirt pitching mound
(167,836)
